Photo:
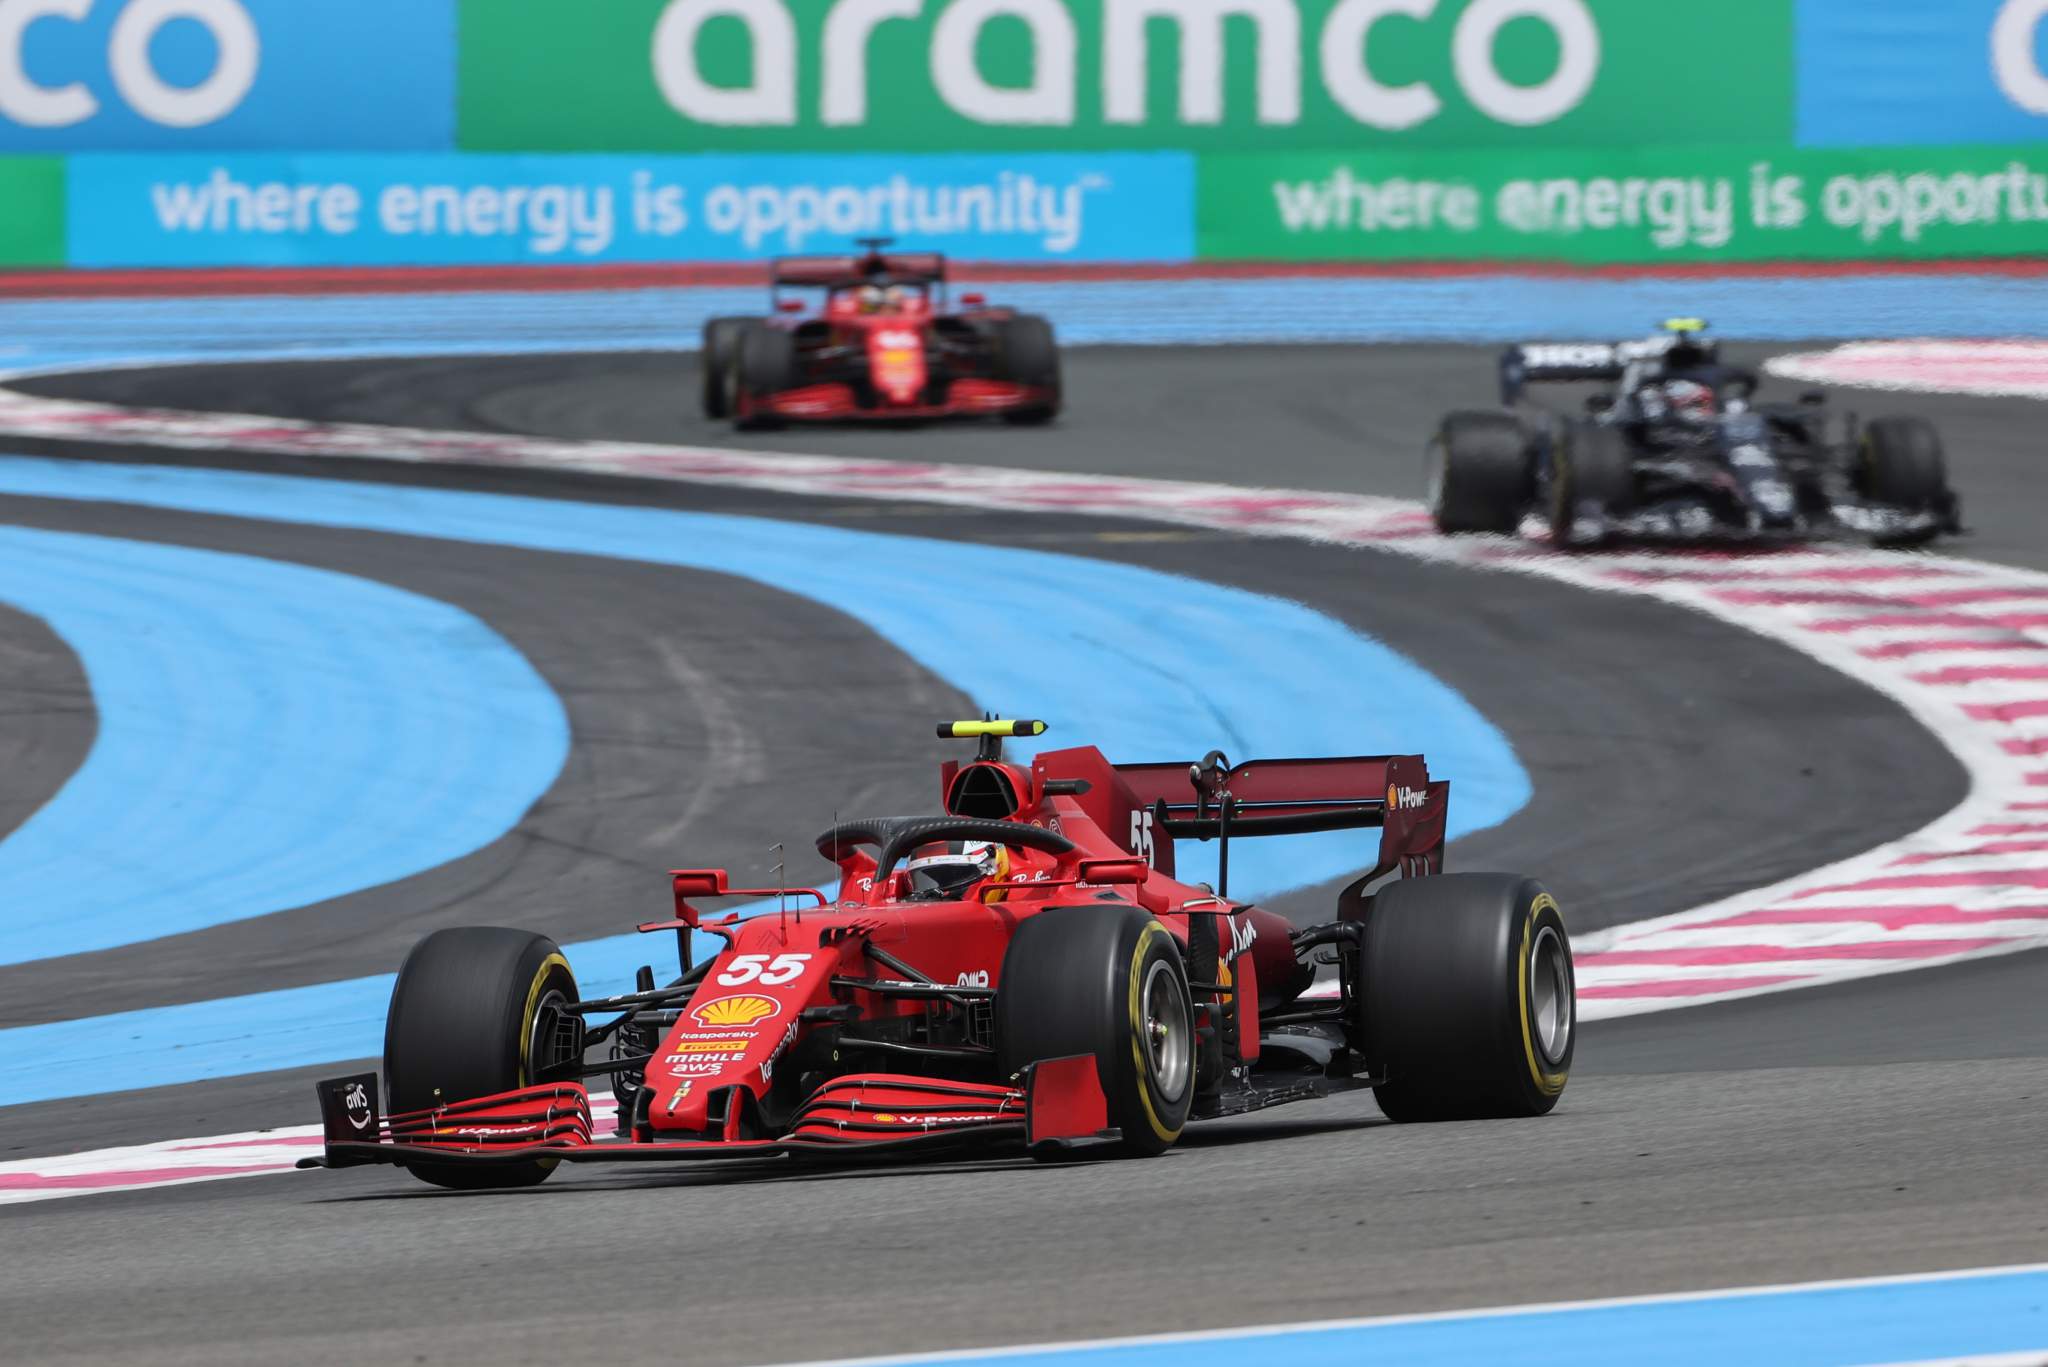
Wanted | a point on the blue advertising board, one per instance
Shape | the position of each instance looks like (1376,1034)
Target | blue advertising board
(129,75)
(1918,72)
(523,210)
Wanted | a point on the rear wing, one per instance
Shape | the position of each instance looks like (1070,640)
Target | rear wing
(1561,362)
(826,272)
(1521,366)
(1211,800)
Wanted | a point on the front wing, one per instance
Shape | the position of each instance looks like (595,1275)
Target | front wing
(1061,1102)
(837,401)
(1682,519)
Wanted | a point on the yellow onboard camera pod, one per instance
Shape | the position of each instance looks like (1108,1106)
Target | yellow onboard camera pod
(971,730)
(1683,325)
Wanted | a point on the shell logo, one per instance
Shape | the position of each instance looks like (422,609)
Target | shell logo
(740,1011)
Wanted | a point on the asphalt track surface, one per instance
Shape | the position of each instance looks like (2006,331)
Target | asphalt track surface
(1889,1125)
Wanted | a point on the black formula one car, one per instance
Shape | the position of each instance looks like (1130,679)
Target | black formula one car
(1681,447)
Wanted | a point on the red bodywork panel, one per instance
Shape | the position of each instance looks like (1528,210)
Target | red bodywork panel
(879,960)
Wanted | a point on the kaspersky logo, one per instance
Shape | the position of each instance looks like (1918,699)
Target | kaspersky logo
(734,1011)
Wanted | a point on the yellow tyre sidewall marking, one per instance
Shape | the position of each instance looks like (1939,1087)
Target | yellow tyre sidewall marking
(1144,1072)
(1549,1083)
(540,978)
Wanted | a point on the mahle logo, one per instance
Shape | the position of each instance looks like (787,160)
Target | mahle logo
(1044,46)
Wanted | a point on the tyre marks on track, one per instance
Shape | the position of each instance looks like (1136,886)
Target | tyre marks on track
(1962,645)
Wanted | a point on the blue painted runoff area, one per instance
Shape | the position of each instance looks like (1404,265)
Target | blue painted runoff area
(1907,1320)
(1149,666)
(269,736)
(86,333)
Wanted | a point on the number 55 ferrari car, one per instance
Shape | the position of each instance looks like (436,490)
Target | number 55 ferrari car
(1020,969)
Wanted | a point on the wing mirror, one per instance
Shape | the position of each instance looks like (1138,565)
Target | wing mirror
(973,299)
(789,306)
(699,882)
(1115,872)
(1599,403)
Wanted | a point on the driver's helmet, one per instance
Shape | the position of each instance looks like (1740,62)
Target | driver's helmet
(871,298)
(1692,352)
(1690,401)
(947,868)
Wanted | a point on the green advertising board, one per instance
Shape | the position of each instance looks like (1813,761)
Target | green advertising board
(1209,75)
(1636,206)
(31,211)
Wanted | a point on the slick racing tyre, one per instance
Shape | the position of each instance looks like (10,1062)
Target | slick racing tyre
(1903,464)
(1590,464)
(472,1015)
(1026,353)
(1467,999)
(1479,474)
(767,363)
(717,360)
(1107,981)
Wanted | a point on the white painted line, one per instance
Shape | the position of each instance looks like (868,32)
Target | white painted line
(1450,1317)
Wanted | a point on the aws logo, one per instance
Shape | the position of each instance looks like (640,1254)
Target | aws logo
(734,1011)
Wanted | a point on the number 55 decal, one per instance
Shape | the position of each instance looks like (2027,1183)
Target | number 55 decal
(1141,835)
(748,968)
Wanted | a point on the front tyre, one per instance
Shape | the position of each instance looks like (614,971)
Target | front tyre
(473,1014)
(1468,1004)
(717,362)
(1591,467)
(1026,353)
(1479,474)
(767,365)
(1107,981)
(1903,464)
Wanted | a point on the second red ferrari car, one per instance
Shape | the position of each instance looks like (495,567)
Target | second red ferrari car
(877,336)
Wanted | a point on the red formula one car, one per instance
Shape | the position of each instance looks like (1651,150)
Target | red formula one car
(885,343)
(1023,968)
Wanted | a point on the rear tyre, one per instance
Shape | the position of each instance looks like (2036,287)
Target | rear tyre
(1903,464)
(1478,474)
(719,355)
(1591,464)
(1107,981)
(472,1015)
(1026,352)
(1468,1004)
